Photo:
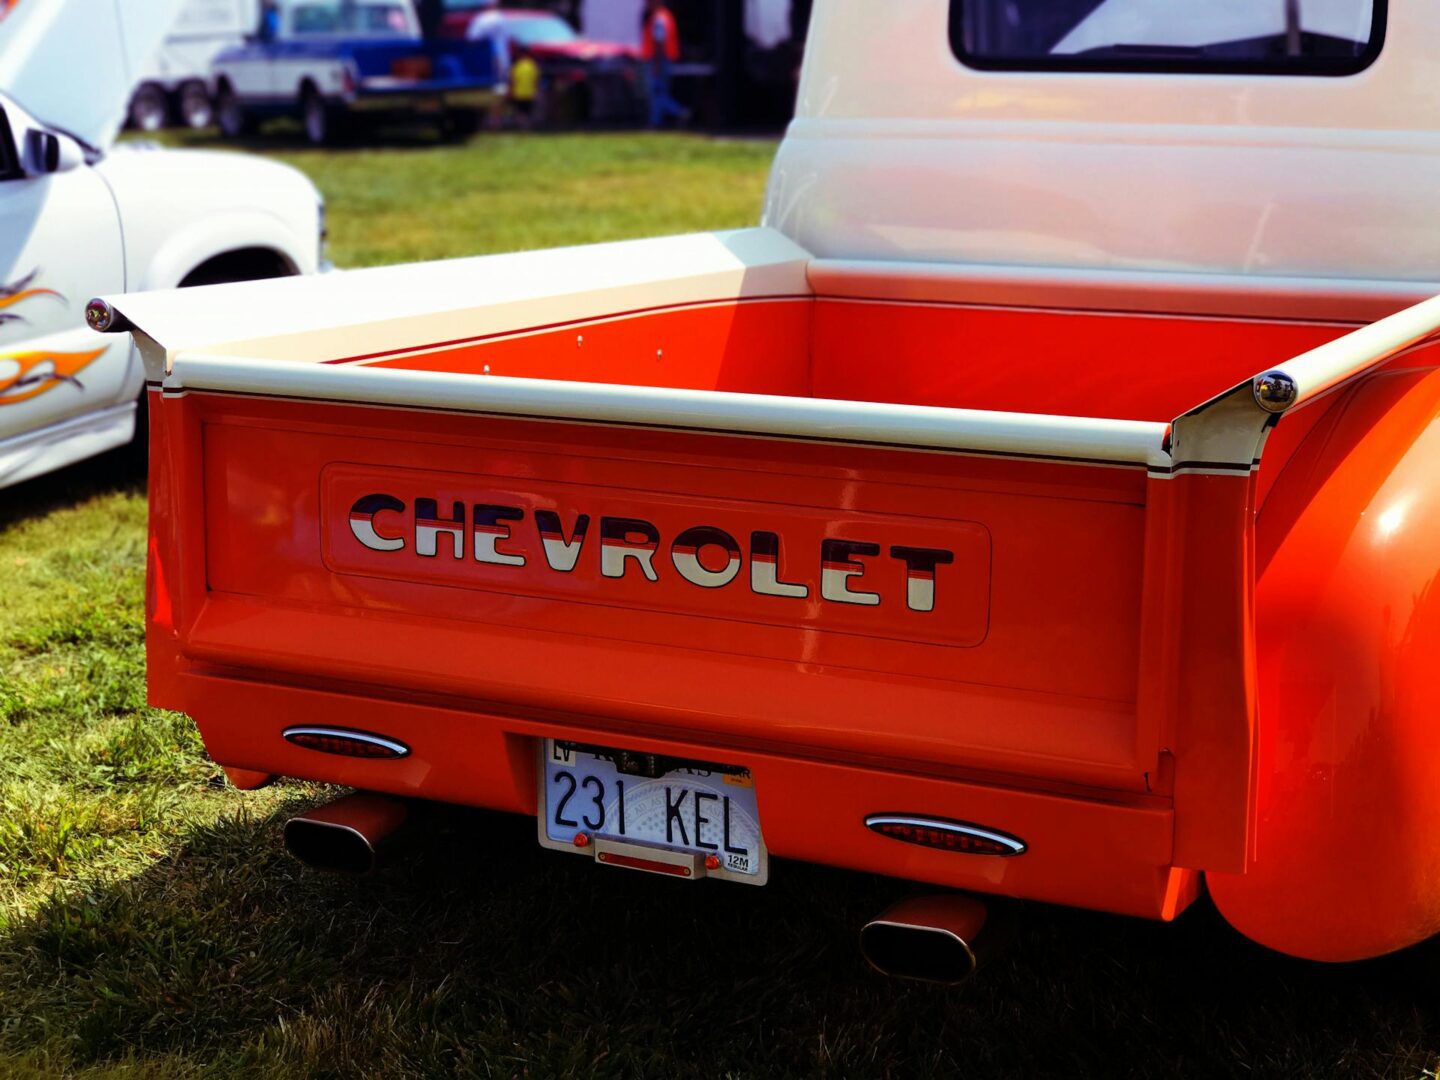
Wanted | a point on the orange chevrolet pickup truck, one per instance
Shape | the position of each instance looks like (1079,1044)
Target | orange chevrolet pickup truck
(1041,501)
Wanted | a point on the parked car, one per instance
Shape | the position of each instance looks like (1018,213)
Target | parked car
(175,83)
(77,213)
(333,63)
(1041,502)
(587,81)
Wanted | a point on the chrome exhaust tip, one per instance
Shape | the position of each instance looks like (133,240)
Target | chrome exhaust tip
(927,938)
(347,836)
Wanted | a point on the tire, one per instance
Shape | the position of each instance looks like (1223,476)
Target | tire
(195,107)
(322,123)
(149,108)
(234,121)
(137,451)
(568,108)
(585,111)
(462,123)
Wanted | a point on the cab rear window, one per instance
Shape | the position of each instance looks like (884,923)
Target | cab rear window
(1223,37)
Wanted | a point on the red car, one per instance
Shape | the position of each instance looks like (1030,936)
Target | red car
(585,80)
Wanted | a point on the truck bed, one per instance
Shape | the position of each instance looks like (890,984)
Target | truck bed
(709,496)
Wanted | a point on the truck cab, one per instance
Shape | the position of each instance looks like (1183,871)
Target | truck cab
(1039,501)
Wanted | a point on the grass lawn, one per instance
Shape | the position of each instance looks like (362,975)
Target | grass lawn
(413,199)
(151,926)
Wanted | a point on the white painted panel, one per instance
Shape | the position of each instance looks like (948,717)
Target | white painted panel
(59,244)
(612,20)
(902,153)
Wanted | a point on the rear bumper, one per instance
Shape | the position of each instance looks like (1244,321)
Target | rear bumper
(415,100)
(1105,855)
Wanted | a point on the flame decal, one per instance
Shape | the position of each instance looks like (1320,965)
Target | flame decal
(6,301)
(10,295)
(28,375)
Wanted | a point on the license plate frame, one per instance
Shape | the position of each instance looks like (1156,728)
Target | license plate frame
(637,849)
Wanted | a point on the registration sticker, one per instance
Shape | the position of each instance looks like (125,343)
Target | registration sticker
(666,816)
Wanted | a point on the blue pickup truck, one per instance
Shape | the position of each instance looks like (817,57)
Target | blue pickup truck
(333,63)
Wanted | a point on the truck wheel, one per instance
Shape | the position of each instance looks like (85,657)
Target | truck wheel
(196,108)
(568,108)
(321,122)
(149,109)
(462,123)
(234,121)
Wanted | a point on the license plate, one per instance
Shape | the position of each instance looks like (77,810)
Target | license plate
(428,105)
(695,820)
(412,67)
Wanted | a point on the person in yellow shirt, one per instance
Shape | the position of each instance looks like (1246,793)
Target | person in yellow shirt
(524,88)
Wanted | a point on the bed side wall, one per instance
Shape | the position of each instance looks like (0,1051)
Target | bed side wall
(1347,848)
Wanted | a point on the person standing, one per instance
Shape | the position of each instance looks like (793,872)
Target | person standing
(431,14)
(489,26)
(660,48)
(524,88)
(269,20)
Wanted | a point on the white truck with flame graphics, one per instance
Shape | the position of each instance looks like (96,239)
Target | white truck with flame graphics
(78,214)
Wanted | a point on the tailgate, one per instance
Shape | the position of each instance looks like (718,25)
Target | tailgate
(923,609)
(418,65)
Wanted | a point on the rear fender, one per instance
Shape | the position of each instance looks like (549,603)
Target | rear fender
(1346,852)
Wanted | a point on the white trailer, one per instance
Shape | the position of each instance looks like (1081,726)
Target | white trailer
(176,82)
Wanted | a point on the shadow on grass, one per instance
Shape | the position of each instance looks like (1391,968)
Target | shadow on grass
(116,470)
(290,138)
(286,136)
(480,954)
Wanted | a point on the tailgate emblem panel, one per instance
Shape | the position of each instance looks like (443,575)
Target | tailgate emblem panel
(912,578)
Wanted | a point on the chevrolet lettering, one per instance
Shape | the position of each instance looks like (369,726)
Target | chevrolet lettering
(706,556)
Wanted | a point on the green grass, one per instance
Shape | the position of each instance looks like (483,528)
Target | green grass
(415,198)
(151,927)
